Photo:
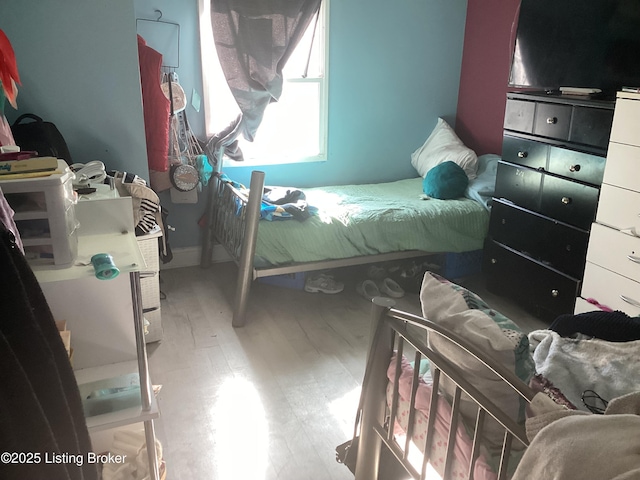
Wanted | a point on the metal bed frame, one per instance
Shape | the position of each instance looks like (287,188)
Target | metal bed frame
(404,332)
(233,221)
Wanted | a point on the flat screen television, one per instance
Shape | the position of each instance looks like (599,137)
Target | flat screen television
(577,43)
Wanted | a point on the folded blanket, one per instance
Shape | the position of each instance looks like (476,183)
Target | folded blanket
(610,369)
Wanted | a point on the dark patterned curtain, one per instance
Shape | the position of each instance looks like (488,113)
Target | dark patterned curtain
(254,39)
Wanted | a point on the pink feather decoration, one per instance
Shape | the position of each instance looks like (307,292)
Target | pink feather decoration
(8,70)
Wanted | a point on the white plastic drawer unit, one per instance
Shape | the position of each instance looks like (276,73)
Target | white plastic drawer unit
(610,289)
(619,208)
(45,216)
(615,251)
(626,122)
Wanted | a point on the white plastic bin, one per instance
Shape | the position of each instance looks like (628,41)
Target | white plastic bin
(45,216)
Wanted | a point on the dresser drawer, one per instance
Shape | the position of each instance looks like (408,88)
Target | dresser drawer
(519,185)
(524,152)
(615,251)
(569,202)
(580,166)
(552,120)
(619,208)
(555,244)
(544,289)
(625,122)
(623,165)
(610,289)
(591,126)
(519,115)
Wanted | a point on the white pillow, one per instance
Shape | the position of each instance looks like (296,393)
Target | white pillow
(463,312)
(442,145)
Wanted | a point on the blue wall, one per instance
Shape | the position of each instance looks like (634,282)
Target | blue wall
(78,63)
(394,68)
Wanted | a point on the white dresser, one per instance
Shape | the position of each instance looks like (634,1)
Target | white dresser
(612,273)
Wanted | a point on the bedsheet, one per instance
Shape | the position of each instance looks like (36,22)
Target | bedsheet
(370,219)
(464,443)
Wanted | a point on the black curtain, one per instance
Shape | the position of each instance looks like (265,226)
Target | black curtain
(40,407)
(254,39)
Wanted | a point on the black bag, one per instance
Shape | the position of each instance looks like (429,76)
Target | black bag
(43,137)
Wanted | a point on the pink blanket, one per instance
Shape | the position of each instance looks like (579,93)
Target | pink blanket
(463,443)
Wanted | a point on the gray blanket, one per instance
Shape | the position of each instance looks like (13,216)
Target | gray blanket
(611,369)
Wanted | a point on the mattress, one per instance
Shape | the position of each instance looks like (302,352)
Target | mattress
(356,220)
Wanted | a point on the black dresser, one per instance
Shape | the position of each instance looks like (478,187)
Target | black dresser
(546,196)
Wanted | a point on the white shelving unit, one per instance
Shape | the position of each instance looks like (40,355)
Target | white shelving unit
(105,316)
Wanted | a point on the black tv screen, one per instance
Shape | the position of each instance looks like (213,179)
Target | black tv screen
(577,43)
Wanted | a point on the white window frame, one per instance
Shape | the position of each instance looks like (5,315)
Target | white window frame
(214,124)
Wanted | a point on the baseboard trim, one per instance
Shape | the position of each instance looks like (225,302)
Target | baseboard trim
(190,257)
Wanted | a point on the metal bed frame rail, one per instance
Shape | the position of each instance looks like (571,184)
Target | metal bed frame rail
(399,330)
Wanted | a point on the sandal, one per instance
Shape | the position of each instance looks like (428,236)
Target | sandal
(368,289)
(391,288)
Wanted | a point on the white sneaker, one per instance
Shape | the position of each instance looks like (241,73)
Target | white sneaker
(323,283)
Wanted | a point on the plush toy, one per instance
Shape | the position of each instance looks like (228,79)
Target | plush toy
(445,181)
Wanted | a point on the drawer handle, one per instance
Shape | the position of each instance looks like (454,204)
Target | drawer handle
(630,301)
(566,200)
(574,168)
(634,258)
(555,293)
(552,120)
(522,154)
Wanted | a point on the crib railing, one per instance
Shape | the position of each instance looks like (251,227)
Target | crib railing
(405,332)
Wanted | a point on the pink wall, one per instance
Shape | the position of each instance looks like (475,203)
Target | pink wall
(485,72)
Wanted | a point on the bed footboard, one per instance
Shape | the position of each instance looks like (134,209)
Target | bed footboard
(406,335)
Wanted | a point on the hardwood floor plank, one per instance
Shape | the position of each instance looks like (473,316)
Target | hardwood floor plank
(271,400)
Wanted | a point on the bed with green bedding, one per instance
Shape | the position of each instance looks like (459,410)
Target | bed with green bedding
(355,224)
(362,220)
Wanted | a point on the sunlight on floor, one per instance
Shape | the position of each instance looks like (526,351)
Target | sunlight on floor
(242,440)
(344,410)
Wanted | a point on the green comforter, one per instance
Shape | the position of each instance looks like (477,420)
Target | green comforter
(356,220)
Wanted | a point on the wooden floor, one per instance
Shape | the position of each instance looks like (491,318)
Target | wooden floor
(270,400)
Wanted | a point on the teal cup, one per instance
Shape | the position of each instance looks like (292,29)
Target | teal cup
(104,266)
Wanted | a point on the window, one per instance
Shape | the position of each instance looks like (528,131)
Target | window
(294,128)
